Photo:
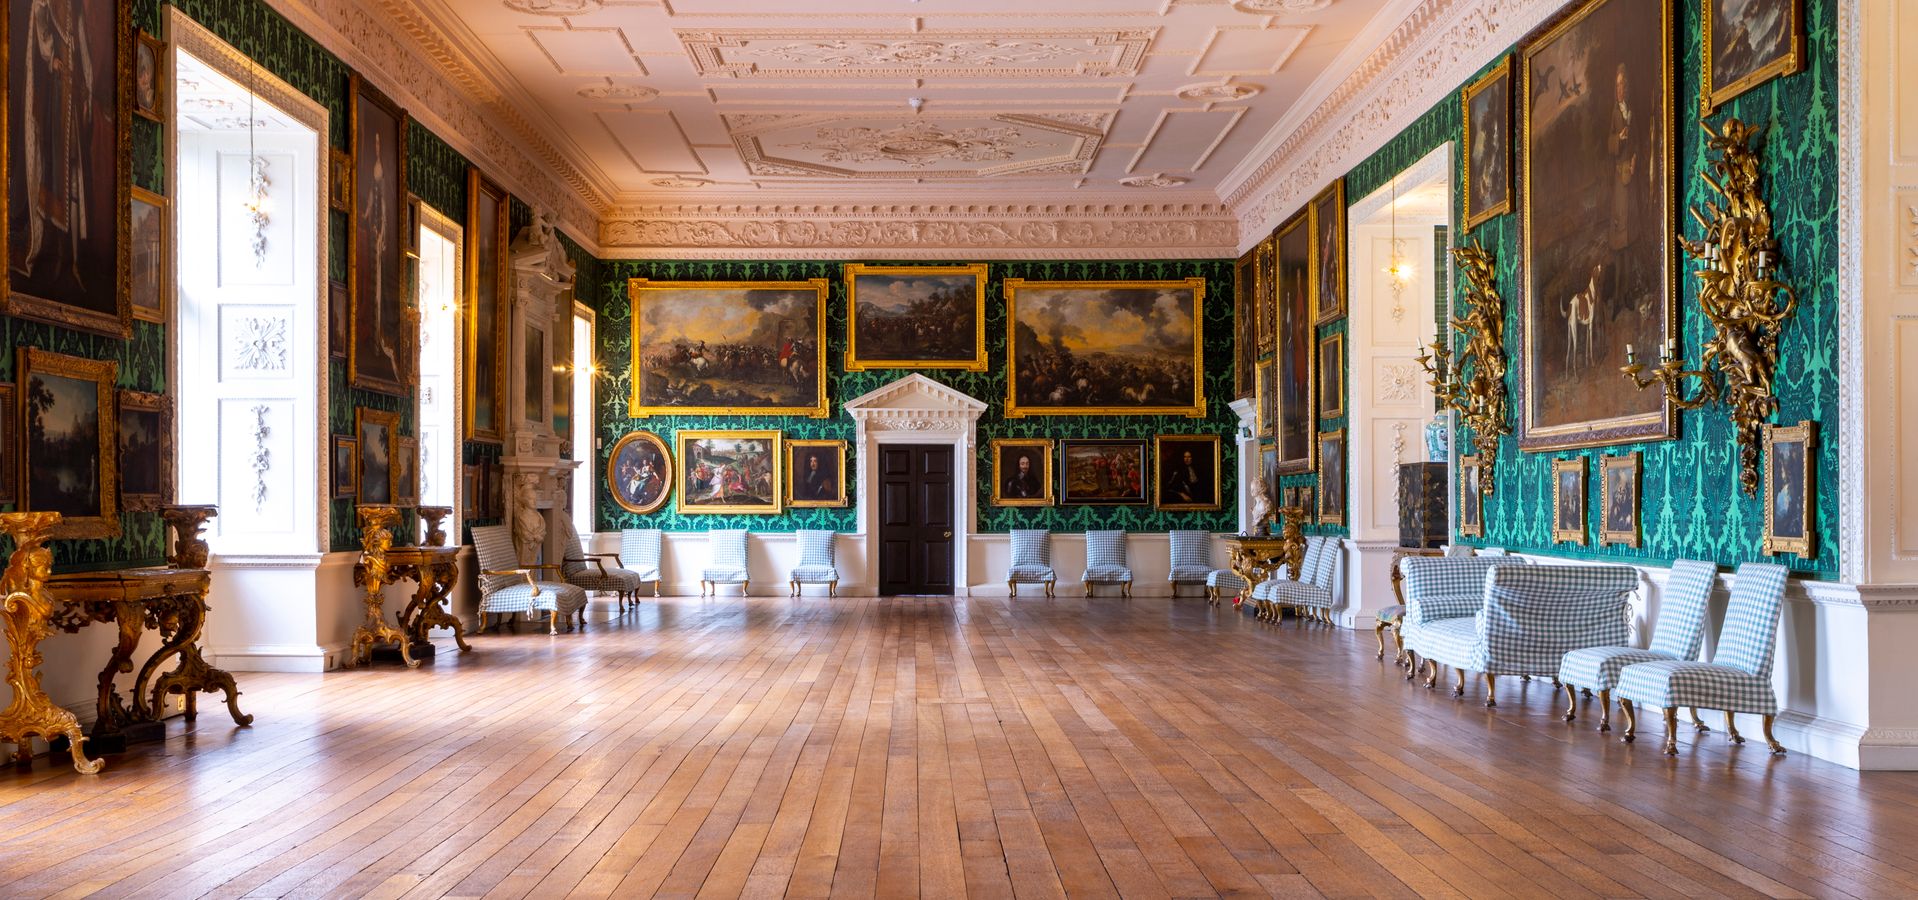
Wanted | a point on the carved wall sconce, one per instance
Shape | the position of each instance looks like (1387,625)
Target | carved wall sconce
(1473,383)
(1741,297)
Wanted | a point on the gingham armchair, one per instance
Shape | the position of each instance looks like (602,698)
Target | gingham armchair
(506,587)
(1530,618)
(639,551)
(1678,635)
(1737,680)
(1314,593)
(1031,560)
(725,562)
(816,563)
(1191,559)
(1438,590)
(1106,562)
(589,571)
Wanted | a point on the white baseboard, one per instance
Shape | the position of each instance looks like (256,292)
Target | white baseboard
(275,658)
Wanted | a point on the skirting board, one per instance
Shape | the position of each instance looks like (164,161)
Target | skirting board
(275,658)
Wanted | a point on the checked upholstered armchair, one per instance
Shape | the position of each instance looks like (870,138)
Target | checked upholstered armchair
(589,572)
(1530,617)
(506,587)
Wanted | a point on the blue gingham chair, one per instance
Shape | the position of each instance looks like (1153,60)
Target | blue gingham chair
(589,572)
(1191,559)
(1317,588)
(725,562)
(1737,680)
(1531,616)
(1031,560)
(816,562)
(1265,594)
(1106,562)
(1440,590)
(639,551)
(506,587)
(1678,635)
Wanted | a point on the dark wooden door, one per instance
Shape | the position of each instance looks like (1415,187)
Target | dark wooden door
(915,519)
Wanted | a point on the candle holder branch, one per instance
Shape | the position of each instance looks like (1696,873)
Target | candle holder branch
(1473,382)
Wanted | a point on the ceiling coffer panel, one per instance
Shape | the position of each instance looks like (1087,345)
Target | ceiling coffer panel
(892,146)
(839,53)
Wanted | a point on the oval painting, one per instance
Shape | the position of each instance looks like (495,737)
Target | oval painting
(641,472)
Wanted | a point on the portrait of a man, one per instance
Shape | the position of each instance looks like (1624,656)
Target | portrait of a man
(378,358)
(1618,521)
(1022,472)
(815,473)
(1332,478)
(1295,418)
(1188,471)
(1568,500)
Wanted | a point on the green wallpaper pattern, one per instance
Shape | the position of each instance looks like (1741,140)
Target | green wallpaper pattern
(1692,507)
(614,339)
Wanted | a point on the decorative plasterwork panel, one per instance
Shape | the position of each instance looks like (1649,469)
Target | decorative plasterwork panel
(840,53)
(891,146)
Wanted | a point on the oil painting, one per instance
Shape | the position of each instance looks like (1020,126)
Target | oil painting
(376,431)
(1332,478)
(1332,376)
(152,253)
(1328,254)
(1103,471)
(346,469)
(406,472)
(728,348)
(640,472)
(9,445)
(1789,488)
(72,448)
(729,471)
(146,451)
(916,317)
(1245,348)
(1186,471)
(815,473)
(1488,145)
(1105,347)
(1568,501)
(1471,497)
(1021,472)
(1598,223)
(1749,42)
(488,284)
(1618,478)
(1295,419)
(377,356)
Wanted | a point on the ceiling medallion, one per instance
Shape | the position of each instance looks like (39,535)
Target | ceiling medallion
(624,93)
(1218,93)
(1157,180)
(1276,7)
(554,7)
(680,182)
(917,144)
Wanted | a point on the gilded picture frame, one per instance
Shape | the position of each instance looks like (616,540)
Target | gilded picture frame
(1486,155)
(1331,378)
(145,444)
(726,472)
(1328,254)
(1109,318)
(1332,474)
(1297,420)
(1245,326)
(1791,489)
(1265,396)
(52,289)
(377,432)
(636,489)
(1081,459)
(1301,496)
(150,259)
(674,321)
(339,180)
(1597,223)
(488,308)
(151,79)
(375,244)
(1569,501)
(1265,291)
(802,490)
(945,293)
(1619,483)
(1471,496)
(10,445)
(1780,52)
(346,469)
(1011,487)
(1179,485)
(406,471)
(72,394)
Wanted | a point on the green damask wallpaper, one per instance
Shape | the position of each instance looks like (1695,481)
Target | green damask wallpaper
(614,339)
(1691,503)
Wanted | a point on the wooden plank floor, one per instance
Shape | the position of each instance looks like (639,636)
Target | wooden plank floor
(940,748)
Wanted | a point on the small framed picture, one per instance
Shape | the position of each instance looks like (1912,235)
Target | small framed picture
(1269,472)
(816,473)
(1186,471)
(640,472)
(1790,490)
(1021,472)
(1747,43)
(149,76)
(406,471)
(9,446)
(410,228)
(339,318)
(469,490)
(339,181)
(1332,376)
(1332,477)
(377,430)
(1471,496)
(1488,145)
(146,451)
(1568,501)
(1618,483)
(1300,496)
(1103,471)
(346,467)
(148,226)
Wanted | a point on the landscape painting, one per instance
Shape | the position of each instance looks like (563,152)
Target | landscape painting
(376,431)
(1296,421)
(1096,471)
(377,356)
(728,348)
(1749,42)
(916,317)
(1598,223)
(1488,145)
(1105,348)
(146,451)
(729,471)
(72,448)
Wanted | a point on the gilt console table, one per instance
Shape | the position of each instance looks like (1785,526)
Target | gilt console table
(434,569)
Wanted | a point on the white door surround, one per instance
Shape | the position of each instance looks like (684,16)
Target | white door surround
(917,410)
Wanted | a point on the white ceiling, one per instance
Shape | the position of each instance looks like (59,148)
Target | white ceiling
(757,101)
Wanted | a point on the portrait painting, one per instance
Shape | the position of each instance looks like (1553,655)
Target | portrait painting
(488,287)
(815,473)
(1328,254)
(1597,223)
(1332,376)
(376,431)
(339,180)
(1245,347)
(146,451)
(1186,471)
(1488,145)
(1269,474)
(1296,421)
(1265,403)
(1471,496)
(9,445)
(406,471)
(1790,489)
(1105,347)
(729,471)
(346,469)
(72,447)
(1749,42)
(339,316)
(640,472)
(1332,478)
(377,357)
(1568,501)
(152,254)
(68,163)
(1102,471)
(1021,472)
(728,348)
(916,317)
(1618,480)
(149,76)
(534,370)
(1300,497)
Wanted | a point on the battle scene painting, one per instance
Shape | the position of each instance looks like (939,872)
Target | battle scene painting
(729,348)
(1096,471)
(1105,347)
(917,317)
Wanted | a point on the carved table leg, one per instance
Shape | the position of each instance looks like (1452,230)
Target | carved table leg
(433,613)
(112,713)
(26,610)
(194,675)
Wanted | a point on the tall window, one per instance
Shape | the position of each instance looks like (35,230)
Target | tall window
(585,478)
(440,274)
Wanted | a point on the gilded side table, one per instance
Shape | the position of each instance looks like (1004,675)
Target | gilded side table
(434,569)
(27,611)
(1254,558)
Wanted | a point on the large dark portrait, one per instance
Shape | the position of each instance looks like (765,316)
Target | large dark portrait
(1748,42)
(1328,254)
(1108,347)
(816,473)
(1332,478)
(71,444)
(378,355)
(1597,222)
(1488,145)
(1187,470)
(1095,471)
(486,283)
(67,163)
(729,348)
(1296,419)
(1021,472)
(640,472)
(924,317)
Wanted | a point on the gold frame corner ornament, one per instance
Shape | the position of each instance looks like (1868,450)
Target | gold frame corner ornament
(1158,475)
(1793,62)
(840,500)
(681,466)
(981,273)
(1570,535)
(1503,69)
(1195,410)
(1805,546)
(1621,465)
(103,373)
(671,473)
(1046,446)
(821,287)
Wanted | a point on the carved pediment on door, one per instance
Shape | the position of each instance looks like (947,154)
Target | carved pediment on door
(915,403)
